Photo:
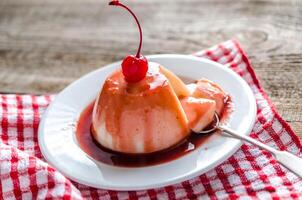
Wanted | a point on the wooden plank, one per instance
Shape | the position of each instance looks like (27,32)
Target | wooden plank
(46,45)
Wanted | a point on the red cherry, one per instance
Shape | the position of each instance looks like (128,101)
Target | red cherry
(134,69)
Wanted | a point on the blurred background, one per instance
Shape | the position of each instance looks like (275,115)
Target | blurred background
(45,45)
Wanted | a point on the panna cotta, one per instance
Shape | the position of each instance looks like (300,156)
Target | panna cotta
(207,89)
(139,118)
(199,112)
(151,115)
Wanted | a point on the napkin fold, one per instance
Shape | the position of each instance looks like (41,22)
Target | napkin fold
(249,173)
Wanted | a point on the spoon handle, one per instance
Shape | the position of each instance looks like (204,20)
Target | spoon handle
(247,139)
(288,160)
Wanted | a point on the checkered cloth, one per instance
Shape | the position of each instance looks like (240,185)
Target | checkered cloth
(249,173)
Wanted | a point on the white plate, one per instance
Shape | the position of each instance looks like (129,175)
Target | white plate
(59,146)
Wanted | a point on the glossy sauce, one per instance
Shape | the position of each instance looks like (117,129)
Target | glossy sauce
(104,155)
(107,156)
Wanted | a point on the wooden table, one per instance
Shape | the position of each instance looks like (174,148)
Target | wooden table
(45,45)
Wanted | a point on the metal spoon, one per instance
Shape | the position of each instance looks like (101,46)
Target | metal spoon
(288,160)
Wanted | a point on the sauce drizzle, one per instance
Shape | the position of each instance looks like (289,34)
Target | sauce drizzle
(107,156)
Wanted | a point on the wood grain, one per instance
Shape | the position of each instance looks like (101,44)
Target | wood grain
(45,45)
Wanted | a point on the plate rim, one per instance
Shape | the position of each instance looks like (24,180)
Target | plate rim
(163,183)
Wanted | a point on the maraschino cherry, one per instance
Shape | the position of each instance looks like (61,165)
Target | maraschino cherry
(134,67)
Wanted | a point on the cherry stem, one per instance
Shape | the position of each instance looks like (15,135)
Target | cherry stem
(117,3)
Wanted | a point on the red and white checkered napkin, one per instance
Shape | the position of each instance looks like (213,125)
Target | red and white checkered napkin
(249,173)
